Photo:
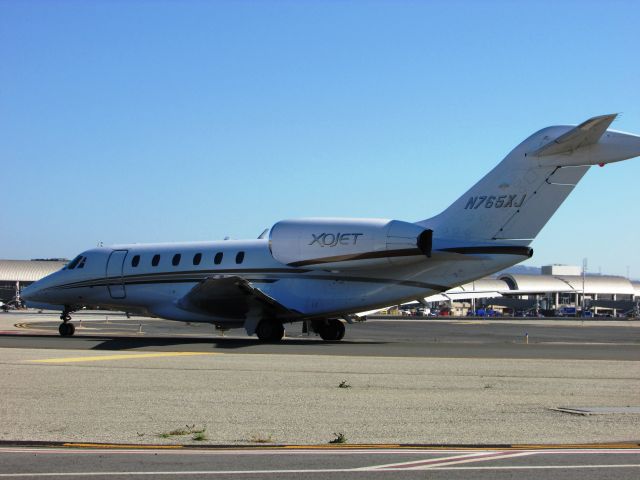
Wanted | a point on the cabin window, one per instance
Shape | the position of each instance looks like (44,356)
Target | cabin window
(135,260)
(196,258)
(218,258)
(81,264)
(176,260)
(72,264)
(155,261)
(239,257)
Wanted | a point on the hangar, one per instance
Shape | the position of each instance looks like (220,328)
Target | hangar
(16,274)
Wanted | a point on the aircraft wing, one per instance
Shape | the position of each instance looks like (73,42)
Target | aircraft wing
(232,297)
(587,133)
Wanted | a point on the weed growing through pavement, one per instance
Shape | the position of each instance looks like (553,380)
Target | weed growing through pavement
(344,384)
(339,438)
(258,438)
(198,434)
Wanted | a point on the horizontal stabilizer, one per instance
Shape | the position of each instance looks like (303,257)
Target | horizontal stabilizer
(587,133)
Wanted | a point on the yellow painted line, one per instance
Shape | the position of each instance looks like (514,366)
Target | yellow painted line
(340,445)
(126,356)
(121,445)
(366,446)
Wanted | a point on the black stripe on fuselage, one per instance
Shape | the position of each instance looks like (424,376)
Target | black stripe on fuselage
(492,250)
(142,277)
(412,252)
(273,276)
(406,252)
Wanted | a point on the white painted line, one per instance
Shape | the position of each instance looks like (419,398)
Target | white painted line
(470,460)
(408,465)
(176,473)
(541,467)
(282,472)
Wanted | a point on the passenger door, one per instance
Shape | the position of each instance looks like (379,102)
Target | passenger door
(115,281)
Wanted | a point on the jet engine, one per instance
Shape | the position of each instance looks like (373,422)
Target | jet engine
(348,244)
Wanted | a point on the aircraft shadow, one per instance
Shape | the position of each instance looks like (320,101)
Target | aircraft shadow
(127,343)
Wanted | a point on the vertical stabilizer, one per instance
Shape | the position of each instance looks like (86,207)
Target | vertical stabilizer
(516,199)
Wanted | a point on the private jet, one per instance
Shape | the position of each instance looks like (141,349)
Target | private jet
(326,270)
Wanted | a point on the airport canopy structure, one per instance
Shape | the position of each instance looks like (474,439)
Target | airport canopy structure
(15,274)
(549,292)
(593,284)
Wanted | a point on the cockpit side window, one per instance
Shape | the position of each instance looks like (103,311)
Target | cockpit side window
(82,262)
(72,264)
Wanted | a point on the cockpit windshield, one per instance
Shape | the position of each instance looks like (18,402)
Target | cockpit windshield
(72,264)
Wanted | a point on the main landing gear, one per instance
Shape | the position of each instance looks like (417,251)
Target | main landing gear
(66,328)
(270,330)
(330,330)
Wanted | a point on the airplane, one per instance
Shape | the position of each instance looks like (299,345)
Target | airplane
(325,270)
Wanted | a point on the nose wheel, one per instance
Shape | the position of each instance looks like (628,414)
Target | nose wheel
(66,328)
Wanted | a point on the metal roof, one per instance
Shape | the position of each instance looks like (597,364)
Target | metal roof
(602,284)
(482,285)
(28,270)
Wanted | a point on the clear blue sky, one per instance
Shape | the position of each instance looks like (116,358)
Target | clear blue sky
(141,121)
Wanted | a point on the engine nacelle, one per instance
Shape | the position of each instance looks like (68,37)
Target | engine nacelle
(341,244)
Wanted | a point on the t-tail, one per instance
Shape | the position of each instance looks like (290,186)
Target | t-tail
(515,200)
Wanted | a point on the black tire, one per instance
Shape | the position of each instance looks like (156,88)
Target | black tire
(270,331)
(67,329)
(332,331)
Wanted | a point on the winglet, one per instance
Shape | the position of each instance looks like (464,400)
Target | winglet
(587,133)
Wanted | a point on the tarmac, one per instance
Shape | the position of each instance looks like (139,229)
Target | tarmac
(573,463)
(227,391)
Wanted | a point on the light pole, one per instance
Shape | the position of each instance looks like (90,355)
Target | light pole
(584,273)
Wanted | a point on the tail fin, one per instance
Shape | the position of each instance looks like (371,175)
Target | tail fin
(516,199)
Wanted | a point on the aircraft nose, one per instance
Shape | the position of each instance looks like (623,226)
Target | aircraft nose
(30,293)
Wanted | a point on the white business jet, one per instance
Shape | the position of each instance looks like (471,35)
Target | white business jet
(324,270)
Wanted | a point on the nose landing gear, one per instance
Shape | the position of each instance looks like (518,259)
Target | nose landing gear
(66,328)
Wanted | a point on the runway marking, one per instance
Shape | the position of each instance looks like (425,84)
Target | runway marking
(542,467)
(435,464)
(449,460)
(297,472)
(121,356)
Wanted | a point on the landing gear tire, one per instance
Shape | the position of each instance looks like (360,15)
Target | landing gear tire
(66,329)
(270,331)
(331,331)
